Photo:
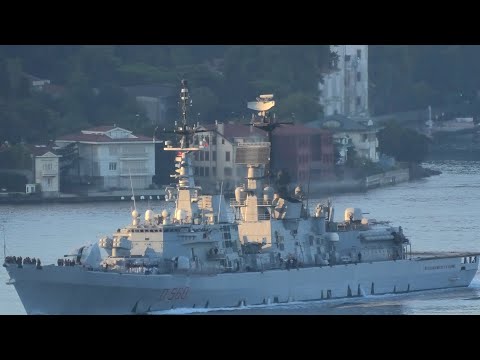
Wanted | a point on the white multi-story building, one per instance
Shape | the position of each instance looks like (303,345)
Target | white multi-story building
(350,133)
(345,88)
(215,162)
(46,170)
(110,156)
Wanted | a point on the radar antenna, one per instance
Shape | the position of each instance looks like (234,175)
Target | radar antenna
(266,122)
(184,172)
(185,130)
(131,185)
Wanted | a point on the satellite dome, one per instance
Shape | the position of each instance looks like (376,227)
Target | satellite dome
(148,215)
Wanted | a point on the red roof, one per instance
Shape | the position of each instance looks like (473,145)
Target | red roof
(243,131)
(39,150)
(100,138)
(103,128)
(53,89)
(231,131)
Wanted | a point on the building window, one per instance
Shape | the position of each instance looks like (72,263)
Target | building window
(223,141)
(195,170)
(202,156)
(359,54)
(347,57)
(227,171)
(227,156)
(47,166)
(112,166)
(207,171)
(214,155)
(49,182)
(207,156)
(195,155)
(214,171)
(359,76)
(359,101)
(202,171)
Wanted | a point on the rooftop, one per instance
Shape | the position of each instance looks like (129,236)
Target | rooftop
(101,134)
(341,123)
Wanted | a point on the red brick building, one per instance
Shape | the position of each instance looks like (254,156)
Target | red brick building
(307,154)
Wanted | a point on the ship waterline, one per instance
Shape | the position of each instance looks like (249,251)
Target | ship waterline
(52,290)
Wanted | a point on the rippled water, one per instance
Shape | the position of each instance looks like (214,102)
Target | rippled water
(437,213)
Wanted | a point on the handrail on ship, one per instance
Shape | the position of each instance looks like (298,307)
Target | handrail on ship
(260,202)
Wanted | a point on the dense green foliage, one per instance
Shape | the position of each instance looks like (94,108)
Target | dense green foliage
(87,83)
(392,140)
(410,77)
(12,182)
(15,157)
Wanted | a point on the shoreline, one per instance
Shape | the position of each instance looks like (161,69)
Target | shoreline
(317,189)
(75,199)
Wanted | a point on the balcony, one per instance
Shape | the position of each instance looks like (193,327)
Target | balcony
(49,173)
(260,202)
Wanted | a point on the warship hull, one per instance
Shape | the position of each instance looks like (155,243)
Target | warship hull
(74,290)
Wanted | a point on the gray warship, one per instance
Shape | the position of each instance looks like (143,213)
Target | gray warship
(260,247)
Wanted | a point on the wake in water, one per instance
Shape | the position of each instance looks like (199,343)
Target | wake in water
(405,303)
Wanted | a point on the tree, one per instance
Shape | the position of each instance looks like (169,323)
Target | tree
(99,63)
(402,143)
(352,157)
(300,107)
(205,104)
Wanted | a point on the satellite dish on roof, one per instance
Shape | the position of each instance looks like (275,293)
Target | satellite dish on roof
(263,103)
(260,105)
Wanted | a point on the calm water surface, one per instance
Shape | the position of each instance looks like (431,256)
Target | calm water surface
(438,213)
